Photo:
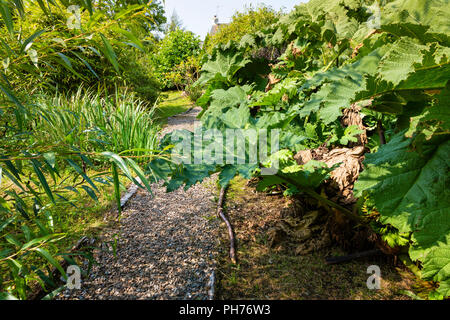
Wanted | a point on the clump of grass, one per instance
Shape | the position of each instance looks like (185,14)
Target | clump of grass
(118,123)
(236,189)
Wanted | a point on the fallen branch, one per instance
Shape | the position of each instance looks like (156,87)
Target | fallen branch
(230,229)
(350,257)
(211,285)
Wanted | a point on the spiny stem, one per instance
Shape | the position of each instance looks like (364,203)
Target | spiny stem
(310,192)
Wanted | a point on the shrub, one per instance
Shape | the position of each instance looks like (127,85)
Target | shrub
(242,23)
(184,75)
(176,47)
(138,74)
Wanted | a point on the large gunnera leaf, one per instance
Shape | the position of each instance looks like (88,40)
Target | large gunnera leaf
(411,191)
(223,68)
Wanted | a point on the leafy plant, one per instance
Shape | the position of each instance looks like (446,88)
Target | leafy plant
(51,148)
(184,75)
(176,47)
(249,21)
(388,59)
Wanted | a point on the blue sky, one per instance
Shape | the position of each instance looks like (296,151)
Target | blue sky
(197,15)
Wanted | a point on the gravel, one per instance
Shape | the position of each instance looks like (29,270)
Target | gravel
(166,244)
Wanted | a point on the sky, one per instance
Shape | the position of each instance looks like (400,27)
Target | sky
(197,15)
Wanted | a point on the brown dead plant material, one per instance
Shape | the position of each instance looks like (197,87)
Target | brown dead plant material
(359,46)
(275,263)
(343,178)
(352,116)
(350,158)
(296,52)
(272,81)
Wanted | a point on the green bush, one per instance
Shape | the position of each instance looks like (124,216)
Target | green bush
(138,74)
(176,47)
(184,75)
(242,23)
(45,53)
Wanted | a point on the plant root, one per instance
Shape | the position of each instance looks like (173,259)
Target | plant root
(350,257)
(227,222)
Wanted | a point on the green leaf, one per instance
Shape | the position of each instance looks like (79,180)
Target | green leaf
(231,97)
(87,65)
(54,293)
(12,97)
(88,5)
(399,61)
(116,187)
(410,191)
(108,51)
(237,118)
(65,62)
(42,179)
(41,240)
(80,172)
(189,175)
(403,182)
(121,164)
(140,174)
(12,240)
(229,172)
(131,37)
(6,15)
(440,112)
(90,192)
(44,253)
(7,296)
(223,68)
(6,223)
(29,41)
(437,268)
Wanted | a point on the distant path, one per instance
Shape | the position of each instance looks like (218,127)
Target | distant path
(166,247)
(183,121)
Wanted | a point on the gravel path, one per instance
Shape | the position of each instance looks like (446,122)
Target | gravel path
(185,120)
(166,244)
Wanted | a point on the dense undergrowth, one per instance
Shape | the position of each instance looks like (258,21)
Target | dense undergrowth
(67,150)
(50,200)
(366,79)
(273,264)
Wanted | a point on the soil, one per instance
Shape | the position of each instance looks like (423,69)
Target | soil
(272,265)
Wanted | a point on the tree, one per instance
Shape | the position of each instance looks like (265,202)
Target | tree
(176,47)
(242,23)
(175,23)
(155,18)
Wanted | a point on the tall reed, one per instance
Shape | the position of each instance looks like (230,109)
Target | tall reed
(120,123)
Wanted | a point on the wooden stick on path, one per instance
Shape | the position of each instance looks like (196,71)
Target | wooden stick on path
(227,222)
